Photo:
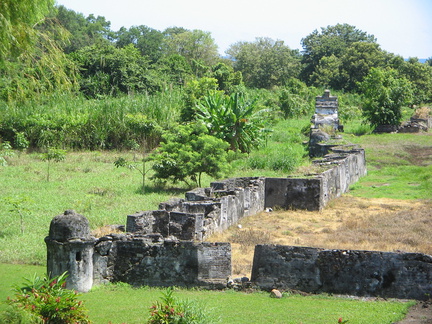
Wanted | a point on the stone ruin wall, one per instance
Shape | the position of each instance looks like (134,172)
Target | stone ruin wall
(348,272)
(165,247)
(203,211)
(153,261)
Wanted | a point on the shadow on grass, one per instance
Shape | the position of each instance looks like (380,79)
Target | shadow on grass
(158,189)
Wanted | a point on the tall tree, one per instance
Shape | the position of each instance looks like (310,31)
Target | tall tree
(332,40)
(197,46)
(148,40)
(32,61)
(17,21)
(109,70)
(84,31)
(420,75)
(264,63)
(385,93)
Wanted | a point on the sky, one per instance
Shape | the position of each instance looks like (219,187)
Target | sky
(402,27)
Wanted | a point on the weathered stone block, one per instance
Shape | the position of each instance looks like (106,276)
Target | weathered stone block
(360,273)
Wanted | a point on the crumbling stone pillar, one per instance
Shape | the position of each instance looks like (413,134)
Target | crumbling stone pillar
(70,248)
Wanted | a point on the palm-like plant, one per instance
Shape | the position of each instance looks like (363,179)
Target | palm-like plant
(233,119)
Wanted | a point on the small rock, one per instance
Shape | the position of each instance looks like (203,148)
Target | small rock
(275,294)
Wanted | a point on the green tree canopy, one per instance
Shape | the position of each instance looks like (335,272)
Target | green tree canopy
(84,31)
(226,77)
(32,61)
(148,40)
(331,41)
(420,75)
(264,63)
(17,21)
(385,93)
(197,46)
(187,153)
(108,70)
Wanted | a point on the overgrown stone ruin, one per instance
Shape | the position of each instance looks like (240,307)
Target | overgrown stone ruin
(348,272)
(326,113)
(167,247)
(325,125)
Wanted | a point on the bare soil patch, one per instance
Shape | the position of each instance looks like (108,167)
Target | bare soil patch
(421,313)
(419,155)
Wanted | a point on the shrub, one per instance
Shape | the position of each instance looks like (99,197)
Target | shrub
(187,153)
(44,300)
(5,151)
(171,310)
(385,93)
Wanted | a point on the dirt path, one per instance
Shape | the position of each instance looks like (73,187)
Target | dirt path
(421,313)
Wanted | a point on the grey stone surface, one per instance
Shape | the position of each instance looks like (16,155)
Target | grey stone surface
(70,248)
(360,273)
(168,263)
(69,225)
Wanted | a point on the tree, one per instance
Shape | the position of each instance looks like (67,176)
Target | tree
(197,46)
(147,40)
(332,40)
(233,119)
(107,70)
(17,21)
(84,31)
(264,63)
(176,69)
(32,62)
(226,77)
(187,153)
(420,75)
(356,63)
(385,93)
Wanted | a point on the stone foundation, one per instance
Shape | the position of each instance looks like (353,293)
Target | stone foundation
(349,272)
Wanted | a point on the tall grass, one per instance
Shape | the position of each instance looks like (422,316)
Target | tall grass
(74,122)
(283,152)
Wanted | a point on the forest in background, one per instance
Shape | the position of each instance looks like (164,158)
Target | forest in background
(70,82)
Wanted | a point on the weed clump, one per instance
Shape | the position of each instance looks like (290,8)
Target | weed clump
(44,300)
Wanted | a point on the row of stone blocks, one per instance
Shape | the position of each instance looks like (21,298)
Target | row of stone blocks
(205,211)
(150,260)
(348,272)
(164,247)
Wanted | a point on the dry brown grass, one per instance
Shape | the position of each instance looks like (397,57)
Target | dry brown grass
(422,112)
(346,223)
(105,230)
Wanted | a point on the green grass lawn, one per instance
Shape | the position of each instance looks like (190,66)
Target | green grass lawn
(89,183)
(121,304)
(399,166)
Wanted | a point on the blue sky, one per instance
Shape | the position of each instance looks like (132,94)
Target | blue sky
(403,27)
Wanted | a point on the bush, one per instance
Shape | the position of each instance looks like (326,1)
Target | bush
(45,301)
(171,310)
(188,152)
(385,93)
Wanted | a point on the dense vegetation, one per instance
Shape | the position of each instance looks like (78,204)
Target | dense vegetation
(69,81)
(166,104)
